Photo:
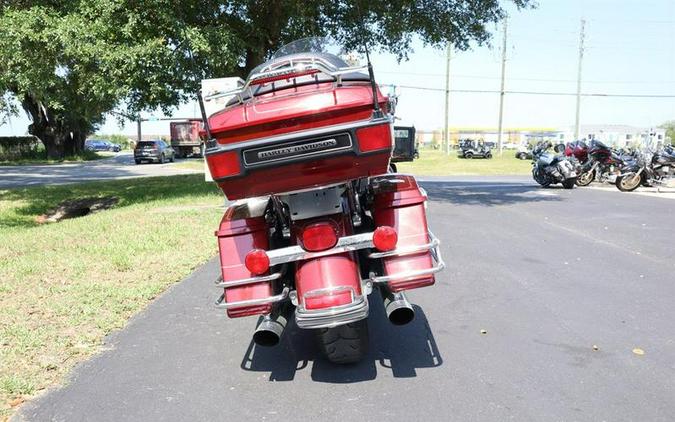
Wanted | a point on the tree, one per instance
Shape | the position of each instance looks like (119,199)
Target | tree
(70,62)
(669,126)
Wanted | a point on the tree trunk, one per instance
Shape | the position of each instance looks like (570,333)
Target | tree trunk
(58,139)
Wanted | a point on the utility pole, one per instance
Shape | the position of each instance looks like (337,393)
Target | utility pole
(446,130)
(581,57)
(501,91)
(138,127)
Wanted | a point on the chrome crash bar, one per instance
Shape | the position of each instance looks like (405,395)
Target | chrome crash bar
(345,244)
(220,303)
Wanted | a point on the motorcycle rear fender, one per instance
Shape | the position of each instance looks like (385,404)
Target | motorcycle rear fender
(327,281)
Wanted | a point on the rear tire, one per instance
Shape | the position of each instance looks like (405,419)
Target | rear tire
(162,159)
(138,161)
(345,343)
(628,183)
(488,155)
(468,155)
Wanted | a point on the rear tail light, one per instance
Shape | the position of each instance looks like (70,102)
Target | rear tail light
(224,164)
(257,261)
(385,238)
(374,138)
(319,237)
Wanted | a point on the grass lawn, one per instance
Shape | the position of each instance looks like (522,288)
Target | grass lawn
(64,286)
(437,163)
(191,163)
(85,156)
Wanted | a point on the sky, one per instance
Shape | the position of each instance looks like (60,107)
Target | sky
(629,49)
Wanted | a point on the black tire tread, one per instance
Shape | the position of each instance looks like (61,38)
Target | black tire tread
(344,344)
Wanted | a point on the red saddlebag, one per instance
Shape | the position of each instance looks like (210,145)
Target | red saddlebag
(236,237)
(399,203)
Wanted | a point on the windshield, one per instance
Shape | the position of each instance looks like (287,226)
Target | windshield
(323,45)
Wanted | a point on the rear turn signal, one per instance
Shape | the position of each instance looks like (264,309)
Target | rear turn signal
(374,138)
(385,238)
(319,237)
(257,261)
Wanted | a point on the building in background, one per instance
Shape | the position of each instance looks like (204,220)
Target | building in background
(619,136)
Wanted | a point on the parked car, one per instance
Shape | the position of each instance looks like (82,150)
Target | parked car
(153,151)
(101,145)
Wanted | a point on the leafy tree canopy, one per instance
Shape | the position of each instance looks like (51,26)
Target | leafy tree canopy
(70,62)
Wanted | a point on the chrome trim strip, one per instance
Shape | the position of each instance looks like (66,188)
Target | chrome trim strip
(344,244)
(332,317)
(245,281)
(220,303)
(294,135)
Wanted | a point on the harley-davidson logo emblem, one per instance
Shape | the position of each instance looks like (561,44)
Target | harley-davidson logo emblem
(297,149)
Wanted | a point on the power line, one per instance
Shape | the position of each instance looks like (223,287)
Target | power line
(552,93)
(494,78)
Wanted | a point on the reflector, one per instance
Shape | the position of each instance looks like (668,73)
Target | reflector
(385,238)
(257,261)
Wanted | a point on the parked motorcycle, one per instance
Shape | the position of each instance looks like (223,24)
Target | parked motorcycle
(317,224)
(602,164)
(549,168)
(646,169)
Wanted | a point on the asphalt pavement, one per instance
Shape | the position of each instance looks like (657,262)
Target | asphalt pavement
(547,297)
(120,166)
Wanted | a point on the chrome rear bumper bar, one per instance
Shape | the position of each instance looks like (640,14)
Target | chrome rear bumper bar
(332,317)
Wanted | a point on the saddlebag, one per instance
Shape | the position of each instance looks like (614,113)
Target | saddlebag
(400,203)
(239,233)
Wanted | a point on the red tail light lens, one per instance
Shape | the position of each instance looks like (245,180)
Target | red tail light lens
(385,238)
(374,138)
(257,261)
(225,164)
(319,237)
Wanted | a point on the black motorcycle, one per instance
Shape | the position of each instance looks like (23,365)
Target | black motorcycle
(549,168)
(647,169)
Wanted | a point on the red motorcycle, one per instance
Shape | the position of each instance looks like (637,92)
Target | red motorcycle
(601,163)
(317,223)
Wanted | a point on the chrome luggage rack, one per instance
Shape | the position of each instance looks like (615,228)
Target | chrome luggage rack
(345,244)
(293,67)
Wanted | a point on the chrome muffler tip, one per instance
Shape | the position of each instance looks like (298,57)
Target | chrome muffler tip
(398,308)
(269,329)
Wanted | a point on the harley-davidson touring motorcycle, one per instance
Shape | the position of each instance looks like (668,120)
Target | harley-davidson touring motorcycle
(316,223)
(549,168)
(602,164)
(646,169)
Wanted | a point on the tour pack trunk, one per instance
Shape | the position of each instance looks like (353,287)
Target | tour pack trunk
(298,138)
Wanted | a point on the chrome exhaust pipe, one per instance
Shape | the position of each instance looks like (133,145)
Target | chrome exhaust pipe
(270,328)
(398,308)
